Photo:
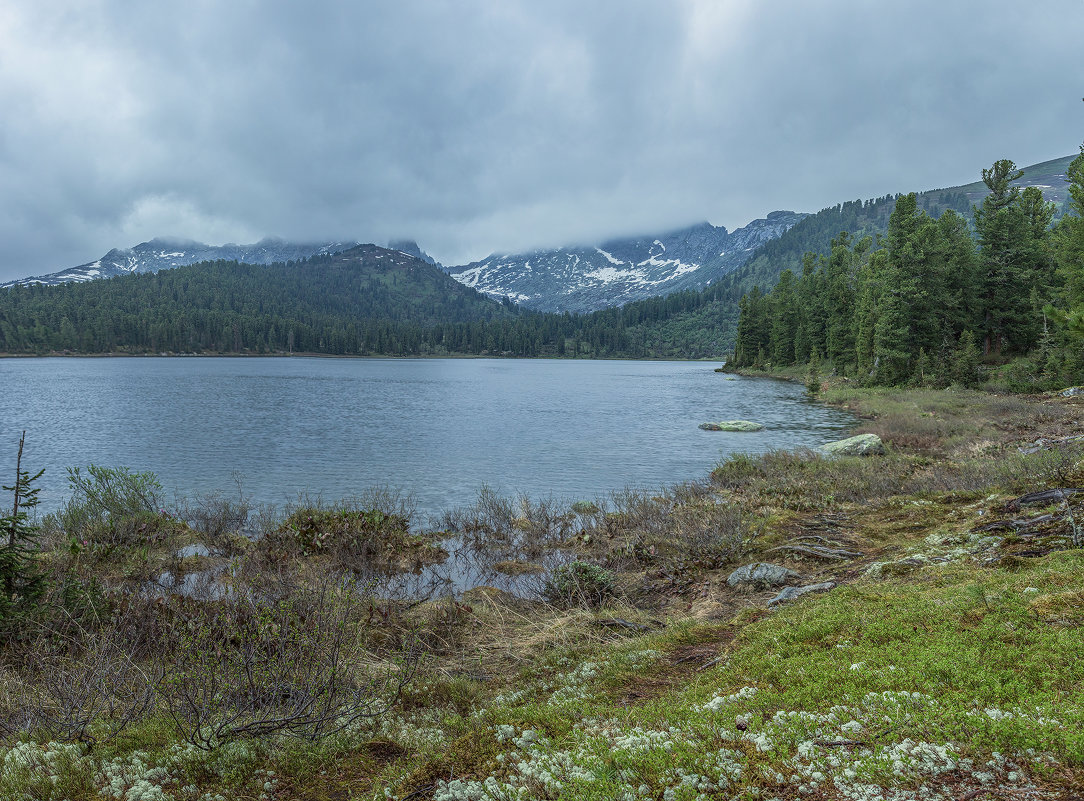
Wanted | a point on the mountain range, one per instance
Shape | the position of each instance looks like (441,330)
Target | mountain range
(576,279)
(612,273)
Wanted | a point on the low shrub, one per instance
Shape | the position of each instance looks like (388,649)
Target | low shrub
(579,583)
(320,530)
(113,507)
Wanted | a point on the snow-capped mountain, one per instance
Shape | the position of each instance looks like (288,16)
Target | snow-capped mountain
(583,279)
(161,254)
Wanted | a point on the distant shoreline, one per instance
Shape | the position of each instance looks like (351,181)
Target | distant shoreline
(306,355)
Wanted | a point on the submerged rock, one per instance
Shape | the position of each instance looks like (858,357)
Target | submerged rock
(732,425)
(790,593)
(761,574)
(861,445)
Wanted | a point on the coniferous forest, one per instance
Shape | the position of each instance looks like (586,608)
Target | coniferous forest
(936,300)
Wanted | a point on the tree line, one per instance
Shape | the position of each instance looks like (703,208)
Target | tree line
(935,299)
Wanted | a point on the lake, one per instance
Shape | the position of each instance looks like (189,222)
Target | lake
(437,428)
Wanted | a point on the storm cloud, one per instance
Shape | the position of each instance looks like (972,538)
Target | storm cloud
(478,126)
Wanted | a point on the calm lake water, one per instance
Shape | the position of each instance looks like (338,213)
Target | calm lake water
(438,428)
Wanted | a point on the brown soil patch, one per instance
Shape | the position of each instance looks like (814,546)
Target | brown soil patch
(680,664)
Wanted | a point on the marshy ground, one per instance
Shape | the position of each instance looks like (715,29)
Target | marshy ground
(616,661)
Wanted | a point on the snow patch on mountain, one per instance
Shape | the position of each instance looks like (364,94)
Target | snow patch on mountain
(609,257)
(583,279)
(162,254)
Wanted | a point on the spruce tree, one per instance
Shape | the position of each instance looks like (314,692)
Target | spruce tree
(784,319)
(20,581)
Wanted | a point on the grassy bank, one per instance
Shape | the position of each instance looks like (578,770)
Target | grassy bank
(947,660)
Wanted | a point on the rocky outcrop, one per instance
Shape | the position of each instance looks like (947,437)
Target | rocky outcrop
(791,593)
(759,575)
(860,445)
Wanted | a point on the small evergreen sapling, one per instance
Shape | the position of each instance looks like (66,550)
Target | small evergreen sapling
(20,580)
(813,376)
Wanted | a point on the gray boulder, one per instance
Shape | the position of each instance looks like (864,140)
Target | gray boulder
(732,425)
(790,593)
(861,445)
(1072,392)
(760,574)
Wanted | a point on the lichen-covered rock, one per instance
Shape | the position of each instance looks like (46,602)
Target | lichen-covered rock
(732,425)
(760,574)
(860,445)
(790,593)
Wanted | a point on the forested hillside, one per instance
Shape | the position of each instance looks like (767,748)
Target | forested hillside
(931,304)
(365,301)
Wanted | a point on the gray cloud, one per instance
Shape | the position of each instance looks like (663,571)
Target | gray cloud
(476,126)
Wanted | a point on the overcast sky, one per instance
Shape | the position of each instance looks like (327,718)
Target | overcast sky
(476,126)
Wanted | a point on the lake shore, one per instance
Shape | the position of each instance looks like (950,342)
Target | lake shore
(921,636)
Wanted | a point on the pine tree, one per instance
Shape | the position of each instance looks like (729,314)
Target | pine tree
(959,304)
(1015,258)
(838,287)
(1069,256)
(1069,239)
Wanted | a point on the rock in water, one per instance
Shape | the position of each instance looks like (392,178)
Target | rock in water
(761,574)
(790,593)
(861,445)
(732,425)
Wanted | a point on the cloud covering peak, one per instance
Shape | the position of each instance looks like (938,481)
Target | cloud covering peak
(501,126)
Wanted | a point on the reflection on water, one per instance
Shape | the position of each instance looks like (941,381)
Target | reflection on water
(466,567)
(202,585)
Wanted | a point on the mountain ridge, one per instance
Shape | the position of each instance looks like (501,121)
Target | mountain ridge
(587,278)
